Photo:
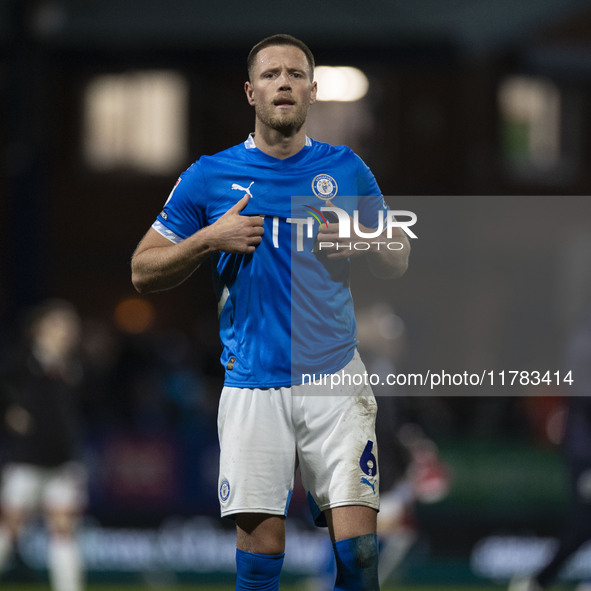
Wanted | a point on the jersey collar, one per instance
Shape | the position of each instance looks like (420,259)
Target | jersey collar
(250,145)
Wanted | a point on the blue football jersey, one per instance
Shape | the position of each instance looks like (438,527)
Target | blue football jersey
(284,310)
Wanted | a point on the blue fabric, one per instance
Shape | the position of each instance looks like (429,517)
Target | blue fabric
(289,495)
(318,515)
(284,312)
(357,563)
(258,572)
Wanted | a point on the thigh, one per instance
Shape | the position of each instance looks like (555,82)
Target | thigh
(257,451)
(337,445)
(22,485)
(350,522)
(65,490)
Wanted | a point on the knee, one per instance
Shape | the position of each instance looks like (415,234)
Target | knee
(365,551)
(359,553)
(260,533)
(357,563)
(13,521)
(61,524)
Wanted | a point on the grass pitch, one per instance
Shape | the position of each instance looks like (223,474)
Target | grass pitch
(197,587)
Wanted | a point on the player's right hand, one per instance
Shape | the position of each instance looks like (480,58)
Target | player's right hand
(236,233)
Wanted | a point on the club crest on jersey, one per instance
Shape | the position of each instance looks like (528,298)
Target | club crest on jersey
(324,186)
(224,491)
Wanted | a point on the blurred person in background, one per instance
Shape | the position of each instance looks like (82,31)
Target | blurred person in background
(42,474)
(576,447)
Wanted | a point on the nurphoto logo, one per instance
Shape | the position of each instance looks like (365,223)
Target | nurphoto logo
(361,238)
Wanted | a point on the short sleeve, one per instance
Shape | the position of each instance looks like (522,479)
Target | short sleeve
(183,213)
(371,201)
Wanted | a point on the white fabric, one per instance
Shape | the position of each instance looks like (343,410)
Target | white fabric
(265,433)
(26,487)
(65,564)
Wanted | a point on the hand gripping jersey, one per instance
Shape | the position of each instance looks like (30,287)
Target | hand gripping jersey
(285,310)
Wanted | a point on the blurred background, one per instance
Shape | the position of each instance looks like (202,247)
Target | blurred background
(474,114)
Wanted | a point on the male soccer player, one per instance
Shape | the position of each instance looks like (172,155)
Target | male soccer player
(285,313)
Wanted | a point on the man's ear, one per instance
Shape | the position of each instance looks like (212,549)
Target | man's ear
(248,89)
(313,93)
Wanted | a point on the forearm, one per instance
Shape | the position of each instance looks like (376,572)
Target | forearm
(159,268)
(386,254)
(158,264)
(390,260)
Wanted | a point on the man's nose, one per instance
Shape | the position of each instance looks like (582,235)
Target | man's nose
(284,81)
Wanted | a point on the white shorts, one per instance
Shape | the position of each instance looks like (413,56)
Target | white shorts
(26,487)
(266,433)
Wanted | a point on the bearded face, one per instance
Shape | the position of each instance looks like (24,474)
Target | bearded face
(284,117)
(281,89)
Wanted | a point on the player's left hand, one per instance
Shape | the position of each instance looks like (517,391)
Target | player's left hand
(329,243)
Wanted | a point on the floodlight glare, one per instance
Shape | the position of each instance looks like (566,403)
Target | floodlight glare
(340,83)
